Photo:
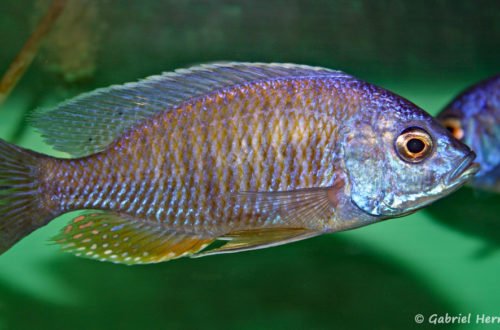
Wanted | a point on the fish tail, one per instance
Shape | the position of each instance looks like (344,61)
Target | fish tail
(21,211)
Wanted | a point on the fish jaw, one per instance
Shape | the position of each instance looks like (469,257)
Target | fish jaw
(466,170)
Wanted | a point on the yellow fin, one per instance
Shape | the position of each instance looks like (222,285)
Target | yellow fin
(258,239)
(114,237)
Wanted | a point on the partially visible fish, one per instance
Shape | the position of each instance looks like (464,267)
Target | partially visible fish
(473,117)
(254,154)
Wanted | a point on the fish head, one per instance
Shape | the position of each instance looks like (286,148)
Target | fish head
(402,159)
(473,117)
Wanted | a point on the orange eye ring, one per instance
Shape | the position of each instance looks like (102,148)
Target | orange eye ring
(414,145)
(454,126)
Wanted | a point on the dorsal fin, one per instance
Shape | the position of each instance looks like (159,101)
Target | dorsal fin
(90,122)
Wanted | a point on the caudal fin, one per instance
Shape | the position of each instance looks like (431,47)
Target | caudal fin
(20,208)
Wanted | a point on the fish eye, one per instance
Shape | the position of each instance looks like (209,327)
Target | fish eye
(414,145)
(454,126)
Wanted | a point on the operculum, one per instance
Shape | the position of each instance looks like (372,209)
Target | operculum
(364,164)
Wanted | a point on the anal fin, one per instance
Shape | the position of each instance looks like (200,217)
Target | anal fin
(258,239)
(114,237)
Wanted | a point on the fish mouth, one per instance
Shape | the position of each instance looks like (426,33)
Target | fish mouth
(464,171)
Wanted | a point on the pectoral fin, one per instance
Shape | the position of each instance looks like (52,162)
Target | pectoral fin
(301,208)
(296,215)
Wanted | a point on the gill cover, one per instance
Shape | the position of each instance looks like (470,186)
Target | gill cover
(363,163)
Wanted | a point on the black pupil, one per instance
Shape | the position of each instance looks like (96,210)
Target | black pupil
(415,146)
(450,129)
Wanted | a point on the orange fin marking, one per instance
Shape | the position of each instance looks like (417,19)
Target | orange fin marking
(114,237)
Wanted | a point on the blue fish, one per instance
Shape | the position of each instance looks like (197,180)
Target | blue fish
(473,117)
(252,154)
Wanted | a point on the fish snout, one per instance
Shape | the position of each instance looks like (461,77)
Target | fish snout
(464,170)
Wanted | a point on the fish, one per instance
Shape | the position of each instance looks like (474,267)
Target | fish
(473,117)
(249,155)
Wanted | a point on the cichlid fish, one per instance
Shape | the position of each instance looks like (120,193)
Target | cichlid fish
(473,117)
(257,155)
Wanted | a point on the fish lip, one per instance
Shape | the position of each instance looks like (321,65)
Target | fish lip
(465,170)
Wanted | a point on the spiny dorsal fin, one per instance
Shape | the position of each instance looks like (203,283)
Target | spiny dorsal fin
(109,236)
(90,122)
(259,239)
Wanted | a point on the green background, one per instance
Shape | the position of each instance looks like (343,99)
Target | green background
(443,259)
